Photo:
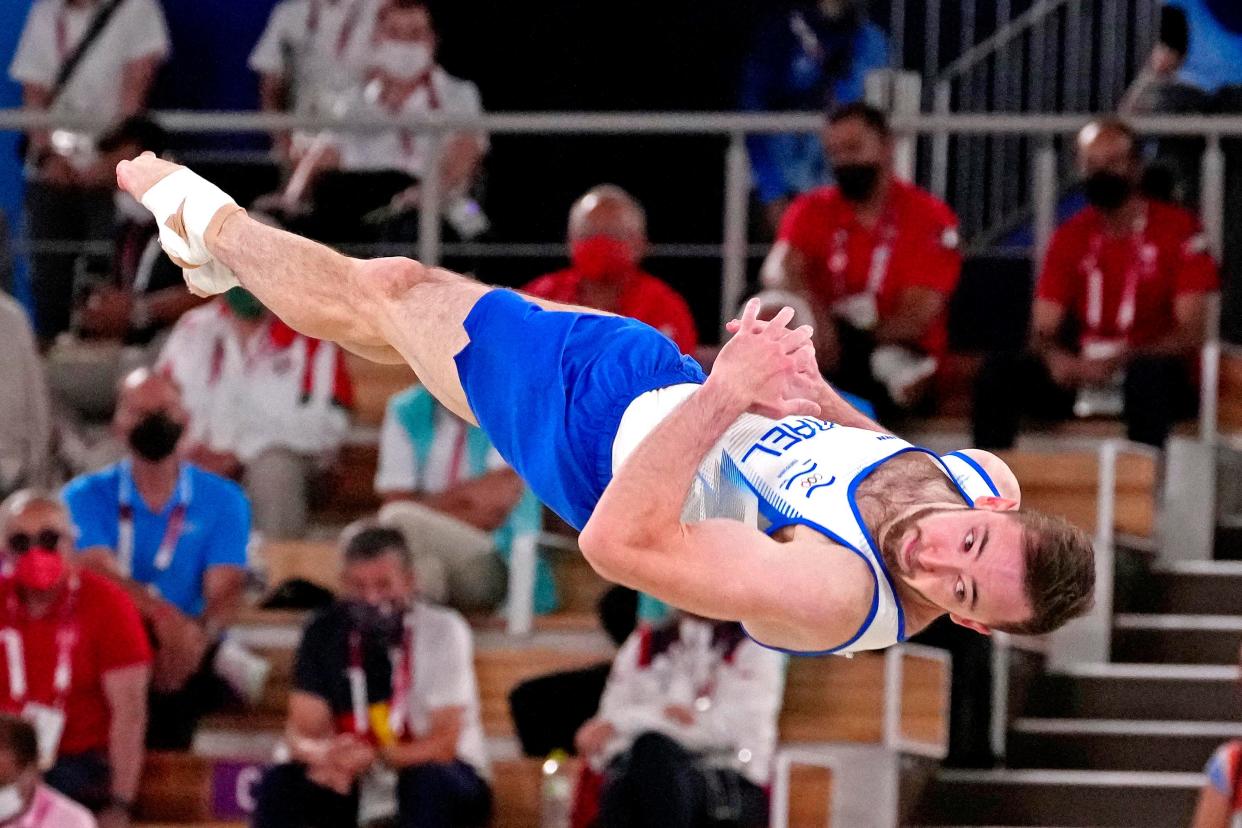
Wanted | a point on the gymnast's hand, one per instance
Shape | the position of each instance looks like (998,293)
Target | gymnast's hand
(768,366)
(137,176)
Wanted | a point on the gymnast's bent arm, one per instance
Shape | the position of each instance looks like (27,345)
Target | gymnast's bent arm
(717,568)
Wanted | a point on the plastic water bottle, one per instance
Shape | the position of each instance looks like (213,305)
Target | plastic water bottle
(556,793)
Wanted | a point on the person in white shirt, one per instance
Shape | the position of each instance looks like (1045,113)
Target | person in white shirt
(25,801)
(70,197)
(25,409)
(374,176)
(686,728)
(309,60)
(267,405)
(385,702)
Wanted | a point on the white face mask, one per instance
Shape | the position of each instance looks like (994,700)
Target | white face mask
(12,802)
(401,60)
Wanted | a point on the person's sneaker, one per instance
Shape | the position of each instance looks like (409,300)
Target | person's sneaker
(245,672)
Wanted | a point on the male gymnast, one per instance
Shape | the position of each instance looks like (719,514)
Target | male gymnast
(753,494)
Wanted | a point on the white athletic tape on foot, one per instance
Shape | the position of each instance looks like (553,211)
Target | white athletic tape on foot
(184,204)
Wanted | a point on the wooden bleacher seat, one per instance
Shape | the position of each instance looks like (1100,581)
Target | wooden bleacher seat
(314,561)
(1230,397)
(1066,484)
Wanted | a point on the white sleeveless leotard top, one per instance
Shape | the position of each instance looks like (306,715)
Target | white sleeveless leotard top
(800,470)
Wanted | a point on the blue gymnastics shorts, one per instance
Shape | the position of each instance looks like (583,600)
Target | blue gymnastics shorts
(549,389)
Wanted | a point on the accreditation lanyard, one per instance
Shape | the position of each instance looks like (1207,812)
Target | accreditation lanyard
(125,522)
(881,258)
(15,651)
(402,661)
(346,33)
(1141,262)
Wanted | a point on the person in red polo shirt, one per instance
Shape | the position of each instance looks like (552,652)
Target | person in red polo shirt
(1120,309)
(76,662)
(877,258)
(607,240)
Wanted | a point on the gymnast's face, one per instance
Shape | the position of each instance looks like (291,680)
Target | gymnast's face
(967,562)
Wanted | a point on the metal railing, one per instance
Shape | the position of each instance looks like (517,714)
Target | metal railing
(1058,56)
(1041,131)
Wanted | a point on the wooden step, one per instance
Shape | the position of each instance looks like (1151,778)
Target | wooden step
(1066,484)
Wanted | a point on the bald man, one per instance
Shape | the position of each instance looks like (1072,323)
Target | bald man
(607,243)
(174,537)
(725,496)
(1133,276)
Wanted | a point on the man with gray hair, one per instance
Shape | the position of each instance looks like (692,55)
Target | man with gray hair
(607,242)
(384,707)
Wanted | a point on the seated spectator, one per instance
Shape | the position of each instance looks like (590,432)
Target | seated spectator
(364,186)
(607,242)
(77,663)
(69,196)
(810,58)
(25,411)
(686,730)
(175,538)
(119,318)
(267,404)
(1199,50)
(1132,278)
(410,667)
(877,260)
(457,503)
(25,801)
(309,59)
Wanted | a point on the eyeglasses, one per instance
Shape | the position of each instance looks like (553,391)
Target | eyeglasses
(22,542)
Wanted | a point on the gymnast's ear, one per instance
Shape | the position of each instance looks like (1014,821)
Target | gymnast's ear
(969,624)
(996,504)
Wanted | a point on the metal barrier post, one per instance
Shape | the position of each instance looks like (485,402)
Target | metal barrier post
(520,602)
(940,143)
(429,204)
(1000,693)
(1044,192)
(1212,198)
(736,219)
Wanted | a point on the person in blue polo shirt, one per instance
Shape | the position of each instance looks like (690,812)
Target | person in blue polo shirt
(176,537)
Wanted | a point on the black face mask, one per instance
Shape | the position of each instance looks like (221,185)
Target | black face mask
(384,622)
(1106,190)
(857,182)
(155,437)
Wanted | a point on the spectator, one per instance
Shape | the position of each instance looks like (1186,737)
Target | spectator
(360,186)
(77,662)
(266,404)
(25,802)
(175,538)
(1199,50)
(1132,277)
(25,411)
(457,503)
(79,57)
(309,59)
(877,259)
(607,242)
(410,666)
(810,58)
(141,297)
(686,729)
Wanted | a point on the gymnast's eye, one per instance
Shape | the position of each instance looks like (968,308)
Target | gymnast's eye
(970,540)
(959,591)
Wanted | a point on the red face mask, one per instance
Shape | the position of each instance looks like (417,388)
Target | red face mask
(603,258)
(39,569)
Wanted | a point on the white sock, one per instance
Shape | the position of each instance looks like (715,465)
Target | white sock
(197,201)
